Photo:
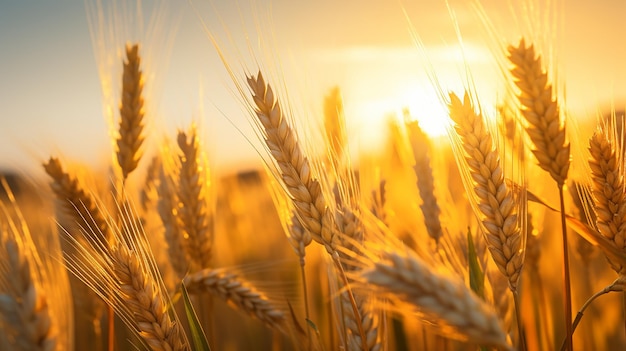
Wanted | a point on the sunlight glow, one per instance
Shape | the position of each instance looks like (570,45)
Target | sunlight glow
(422,102)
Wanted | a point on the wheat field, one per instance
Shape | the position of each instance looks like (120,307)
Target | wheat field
(507,233)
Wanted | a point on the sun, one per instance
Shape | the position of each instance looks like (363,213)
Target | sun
(427,108)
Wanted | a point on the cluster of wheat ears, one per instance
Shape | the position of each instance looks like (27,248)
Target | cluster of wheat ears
(141,259)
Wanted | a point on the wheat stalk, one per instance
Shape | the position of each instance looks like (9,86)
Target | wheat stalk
(194,212)
(131,113)
(236,291)
(608,190)
(496,204)
(540,109)
(295,169)
(442,301)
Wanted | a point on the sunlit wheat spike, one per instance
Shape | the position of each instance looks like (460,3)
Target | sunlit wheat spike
(540,109)
(352,233)
(130,283)
(24,312)
(607,171)
(151,181)
(195,211)
(149,310)
(425,181)
(378,202)
(236,291)
(294,167)
(131,113)
(168,209)
(444,302)
(76,202)
(495,202)
(368,319)
(349,225)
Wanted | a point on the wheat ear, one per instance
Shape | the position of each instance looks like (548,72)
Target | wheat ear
(194,212)
(76,202)
(295,172)
(144,300)
(24,311)
(546,130)
(129,282)
(425,181)
(352,234)
(295,169)
(444,302)
(298,238)
(236,291)
(366,318)
(335,130)
(167,208)
(540,109)
(496,204)
(131,113)
(608,190)
(149,189)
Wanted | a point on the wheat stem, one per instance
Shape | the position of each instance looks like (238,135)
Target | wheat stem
(520,323)
(616,286)
(567,288)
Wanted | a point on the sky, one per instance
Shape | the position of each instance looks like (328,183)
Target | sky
(60,65)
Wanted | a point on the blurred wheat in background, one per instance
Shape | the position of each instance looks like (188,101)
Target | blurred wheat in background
(471,223)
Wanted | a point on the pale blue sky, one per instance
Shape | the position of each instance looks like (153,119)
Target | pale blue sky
(51,98)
